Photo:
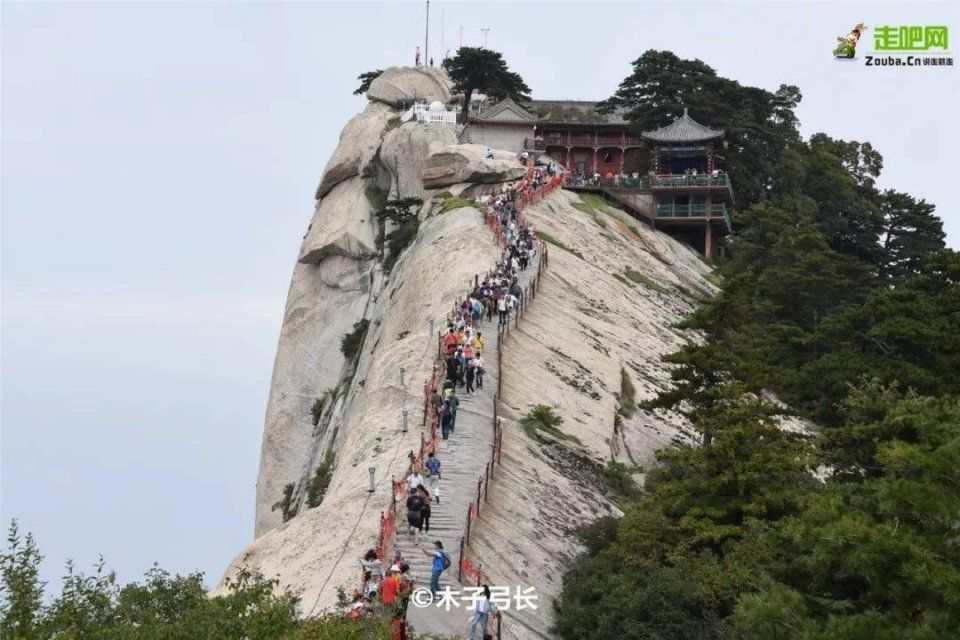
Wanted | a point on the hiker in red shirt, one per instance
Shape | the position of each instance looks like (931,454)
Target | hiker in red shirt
(450,341)
(389,588)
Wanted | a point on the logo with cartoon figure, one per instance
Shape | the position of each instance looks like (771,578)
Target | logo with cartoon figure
(847,45)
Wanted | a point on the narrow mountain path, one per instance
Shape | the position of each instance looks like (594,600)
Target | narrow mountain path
(463,458)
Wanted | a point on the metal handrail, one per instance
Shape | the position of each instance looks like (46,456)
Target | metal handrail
(691,210)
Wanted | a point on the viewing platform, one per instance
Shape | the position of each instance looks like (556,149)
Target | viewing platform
(655,182)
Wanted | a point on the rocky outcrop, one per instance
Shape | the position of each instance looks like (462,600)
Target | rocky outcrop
(404,153)
(323,303)
(317,551)
(358,145)
(343,224)
(467,163)
(399,84)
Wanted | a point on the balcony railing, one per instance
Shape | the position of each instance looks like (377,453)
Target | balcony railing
(589,140)
(678,181)
(715,210)
(617,184)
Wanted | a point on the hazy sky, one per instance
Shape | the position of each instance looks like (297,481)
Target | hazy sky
(158,168)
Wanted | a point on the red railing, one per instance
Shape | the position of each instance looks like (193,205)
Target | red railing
(467,568)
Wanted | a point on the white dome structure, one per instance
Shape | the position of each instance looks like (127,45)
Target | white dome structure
(437,107)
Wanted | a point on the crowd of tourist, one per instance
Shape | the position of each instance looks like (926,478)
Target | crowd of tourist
(387,591)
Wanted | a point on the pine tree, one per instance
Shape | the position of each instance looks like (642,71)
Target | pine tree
(911,232)
(479,69)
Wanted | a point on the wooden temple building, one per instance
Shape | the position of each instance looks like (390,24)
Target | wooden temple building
(686,191)
(572,132)
(692,194)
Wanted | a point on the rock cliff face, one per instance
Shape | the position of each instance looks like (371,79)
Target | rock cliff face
(607,306)
(606,309)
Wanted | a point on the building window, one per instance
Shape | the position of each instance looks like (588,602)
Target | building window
(608,156)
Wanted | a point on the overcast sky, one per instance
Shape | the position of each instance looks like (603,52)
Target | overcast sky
(158,168)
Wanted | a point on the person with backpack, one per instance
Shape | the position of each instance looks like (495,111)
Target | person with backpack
(446,420)
(454,402)
(415,514)
(441,562)
(433,482)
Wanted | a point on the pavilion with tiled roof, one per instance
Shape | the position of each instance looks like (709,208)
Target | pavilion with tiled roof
(691,190)
(683,130)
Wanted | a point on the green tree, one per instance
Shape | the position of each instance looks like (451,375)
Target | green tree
(875,554)
(911,232)
(480,69)
(909,334)
(21,590)
(682,555)
(366,79)
(839,179)
(403,213)
(760,125)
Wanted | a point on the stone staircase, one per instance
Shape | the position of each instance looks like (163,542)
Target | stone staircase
(463,458)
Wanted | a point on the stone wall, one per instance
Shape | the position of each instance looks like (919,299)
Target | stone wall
(508,137)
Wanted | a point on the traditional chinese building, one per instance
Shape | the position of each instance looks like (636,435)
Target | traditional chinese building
(572,132)
(691,191)
(583,140)
(506,125)
(686,192)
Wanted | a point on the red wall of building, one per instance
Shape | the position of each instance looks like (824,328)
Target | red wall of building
(605,160)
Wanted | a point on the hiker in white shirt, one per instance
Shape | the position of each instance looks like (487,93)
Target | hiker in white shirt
(414,480)
(482,614)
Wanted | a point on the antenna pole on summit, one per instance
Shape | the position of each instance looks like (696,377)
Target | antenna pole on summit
(426,38)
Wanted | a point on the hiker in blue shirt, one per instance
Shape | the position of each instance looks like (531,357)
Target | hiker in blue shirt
(441,562)
(433,481)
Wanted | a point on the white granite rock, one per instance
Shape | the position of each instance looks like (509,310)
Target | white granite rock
(405,150)
(396,84)
(466,163)
(343,224)
(358,145)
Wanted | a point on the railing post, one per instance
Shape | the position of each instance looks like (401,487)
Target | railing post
(479,490)
(479,573)
(460,561)
(486,484)
(469,516)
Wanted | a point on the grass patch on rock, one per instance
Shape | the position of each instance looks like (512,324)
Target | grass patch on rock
(639,278)
(592,206)
(320,481)
(628,394)
(456,202)
(542,419)
(551,240)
